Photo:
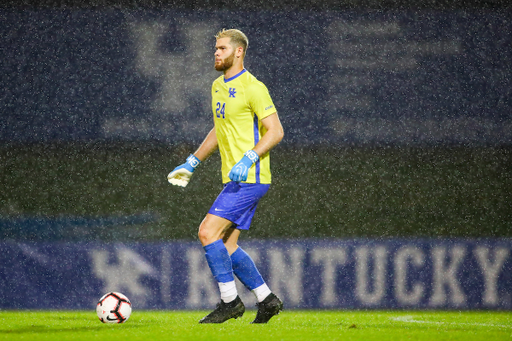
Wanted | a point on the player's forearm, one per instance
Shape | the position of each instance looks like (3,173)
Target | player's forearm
(274,134)
(208,146)
(272,137)
(268,141)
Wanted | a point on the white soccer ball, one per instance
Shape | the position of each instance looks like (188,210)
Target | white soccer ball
(114,307)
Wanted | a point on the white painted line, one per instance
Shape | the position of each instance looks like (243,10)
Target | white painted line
(410,319)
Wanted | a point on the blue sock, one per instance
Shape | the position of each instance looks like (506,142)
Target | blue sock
(219,261)
(245,269)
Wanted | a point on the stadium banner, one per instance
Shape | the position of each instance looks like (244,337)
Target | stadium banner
(406,77)
(306,274)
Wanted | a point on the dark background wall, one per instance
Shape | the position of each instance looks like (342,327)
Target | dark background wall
(397,118)
(267,5)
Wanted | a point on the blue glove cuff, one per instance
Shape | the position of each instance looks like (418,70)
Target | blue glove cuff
(252,155)
(193,162)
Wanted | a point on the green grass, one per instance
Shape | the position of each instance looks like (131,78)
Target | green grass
(289,325)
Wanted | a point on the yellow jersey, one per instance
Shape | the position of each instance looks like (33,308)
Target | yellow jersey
(239,104)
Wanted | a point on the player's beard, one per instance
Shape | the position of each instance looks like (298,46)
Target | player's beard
(226,63)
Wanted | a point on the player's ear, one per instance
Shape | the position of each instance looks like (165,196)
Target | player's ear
(239,51)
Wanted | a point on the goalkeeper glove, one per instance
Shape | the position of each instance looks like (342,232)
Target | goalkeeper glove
(241,170)
(180,176)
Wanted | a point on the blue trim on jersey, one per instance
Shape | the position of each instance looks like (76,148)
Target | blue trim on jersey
(256,140)
(235,76)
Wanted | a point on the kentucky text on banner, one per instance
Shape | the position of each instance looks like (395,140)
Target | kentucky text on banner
(369,274)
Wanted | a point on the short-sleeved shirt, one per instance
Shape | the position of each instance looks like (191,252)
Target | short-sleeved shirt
(239,104)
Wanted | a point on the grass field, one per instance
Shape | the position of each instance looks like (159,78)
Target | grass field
(289,325)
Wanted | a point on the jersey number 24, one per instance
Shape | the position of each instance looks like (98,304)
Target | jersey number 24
(221,110)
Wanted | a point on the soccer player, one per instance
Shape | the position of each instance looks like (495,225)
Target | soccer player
(246,128)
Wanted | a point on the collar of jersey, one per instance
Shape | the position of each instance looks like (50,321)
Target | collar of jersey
(235,76)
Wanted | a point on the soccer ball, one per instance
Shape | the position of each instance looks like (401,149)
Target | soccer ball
(114,307)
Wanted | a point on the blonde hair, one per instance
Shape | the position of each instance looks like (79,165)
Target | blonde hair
(238,38)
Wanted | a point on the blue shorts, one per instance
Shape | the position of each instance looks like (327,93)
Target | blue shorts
(237,203)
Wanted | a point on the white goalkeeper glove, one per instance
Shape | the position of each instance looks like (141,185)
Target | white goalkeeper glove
(181,175)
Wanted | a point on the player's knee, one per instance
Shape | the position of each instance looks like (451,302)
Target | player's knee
(212,229)
(201,234)
(205,236)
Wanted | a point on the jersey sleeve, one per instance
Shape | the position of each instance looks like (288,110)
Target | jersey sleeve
(259,100)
